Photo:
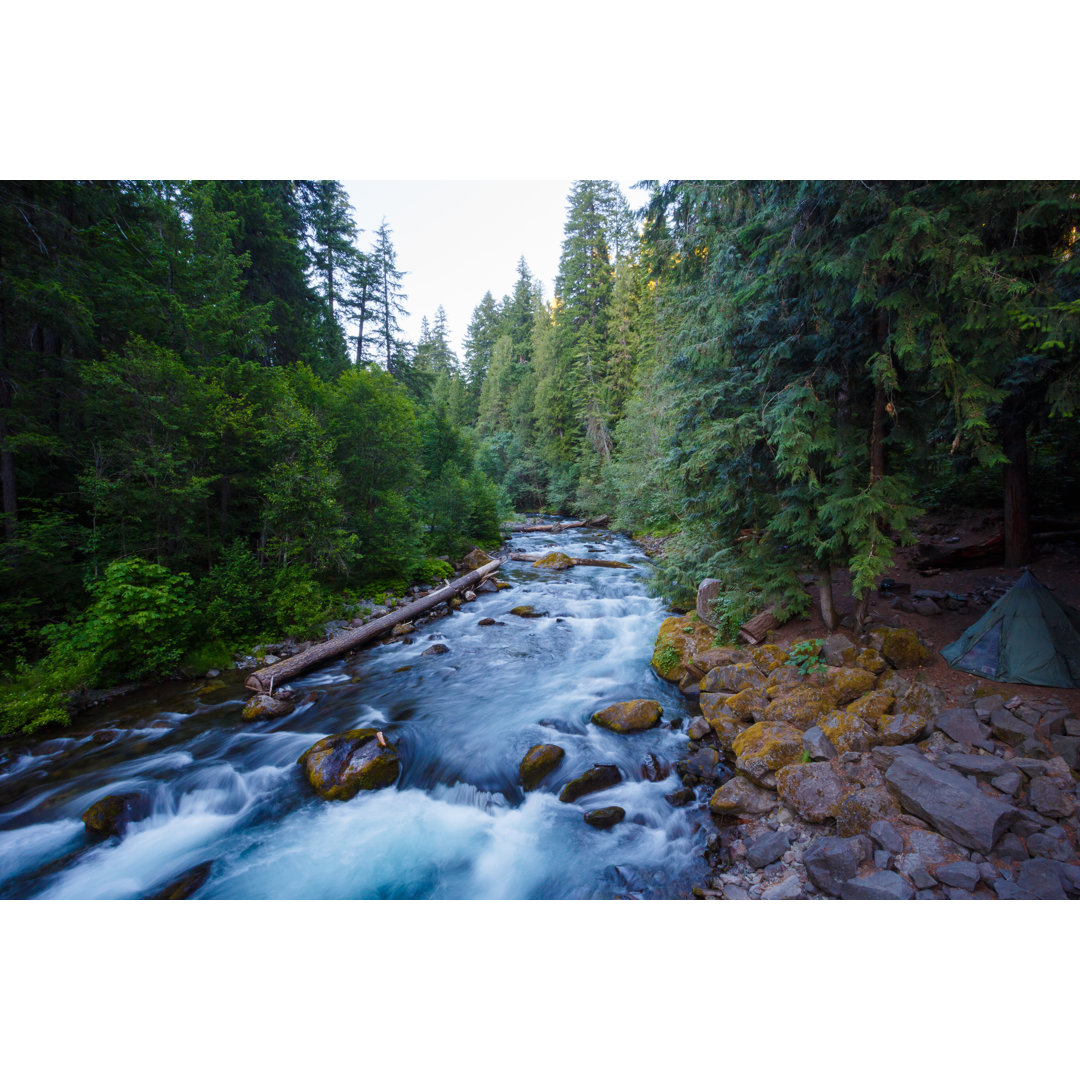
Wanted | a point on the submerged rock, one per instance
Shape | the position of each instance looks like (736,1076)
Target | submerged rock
(436,650)
(111,815)
(265,707)
(526,611)
(626,717)
(607,817)
(597,778)
(189,882)
(554,560)
(538,762)
(339,766)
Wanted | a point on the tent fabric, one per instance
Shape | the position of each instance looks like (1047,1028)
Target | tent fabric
(1028,636)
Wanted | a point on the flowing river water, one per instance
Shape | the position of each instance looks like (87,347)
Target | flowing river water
(456,825)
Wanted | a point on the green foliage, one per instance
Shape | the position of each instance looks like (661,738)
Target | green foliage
(804,657)
(433,570)
(667,656)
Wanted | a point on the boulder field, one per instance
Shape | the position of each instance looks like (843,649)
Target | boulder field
(862,782)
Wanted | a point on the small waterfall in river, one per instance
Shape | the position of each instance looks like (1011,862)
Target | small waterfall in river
(456,825)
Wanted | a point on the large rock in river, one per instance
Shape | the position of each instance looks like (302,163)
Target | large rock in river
(595,779)
(265,707)
(538,762)
(554,560)
(475,559)
(684,643)
(111,815)
(339,766)
(626,717)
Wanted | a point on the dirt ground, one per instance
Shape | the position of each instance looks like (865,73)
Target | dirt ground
(1057,566)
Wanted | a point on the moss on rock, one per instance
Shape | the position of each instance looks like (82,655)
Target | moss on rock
(680,640)
(538,762)
(847,732)
(813,791)
(858,811)
(900,646)
(626,717)
(554,560)
(850,683)
(340,766)
(741,798)
(871,706)
(802,706)
(764,748)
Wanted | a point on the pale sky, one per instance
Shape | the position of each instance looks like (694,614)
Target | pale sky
(458,239)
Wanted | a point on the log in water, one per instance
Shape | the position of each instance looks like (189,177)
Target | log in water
(228,800)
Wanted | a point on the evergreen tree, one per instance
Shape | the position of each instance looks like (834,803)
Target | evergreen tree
(388,303)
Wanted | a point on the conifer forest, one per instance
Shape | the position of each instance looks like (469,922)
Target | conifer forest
(214,431)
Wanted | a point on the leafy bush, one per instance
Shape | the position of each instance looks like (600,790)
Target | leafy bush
(298,603)
(234,596)
(803,657)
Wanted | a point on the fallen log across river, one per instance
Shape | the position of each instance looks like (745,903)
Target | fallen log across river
(562,526)
(614,564)
(264,679)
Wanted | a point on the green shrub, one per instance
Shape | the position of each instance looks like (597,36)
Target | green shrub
(234,598)
(299,605)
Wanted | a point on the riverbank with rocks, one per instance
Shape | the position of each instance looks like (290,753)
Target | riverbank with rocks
(856,779)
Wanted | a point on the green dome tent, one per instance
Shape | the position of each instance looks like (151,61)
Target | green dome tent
(1028,636)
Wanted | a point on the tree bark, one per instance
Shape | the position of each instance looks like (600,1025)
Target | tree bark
(562,526)
(754,630)
(276,674)
(825,598)
(1018,550)
(8,502)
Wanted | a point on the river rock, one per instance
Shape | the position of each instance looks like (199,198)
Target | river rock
(951,804)
(554,560)
(741,798)
(900,646)
(803,706)
(111,815)
(699,767)
(699,728)
(436,650)
(1047,798)
(859,810)
(538,762)
(626,717)
(265,707)
(816,745)
(684,642)
(189,882)
(654,769)
(847,732)
(486,622)
(877,885)
(606,817)
(813,791)
(708,591)
(766,747)
(767,848)
(597,778)
(831,861)
(339,766)
(526,611)
(475,559)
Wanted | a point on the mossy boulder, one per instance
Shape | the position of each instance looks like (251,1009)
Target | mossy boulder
(764,748)
(870,706)
(914,697)
(538,762)
(782,680)
(111,815)
(814,791)
(726,729)
(189,882)
(733,678)
(340,766)
(768,658)
(871,660)
(847,732)
(680,643)
(475,559)
(802,706)
(839,650)
(747,705)
(607,817)
(901,728)
(265,707)
(626,717)
(900,646)
(714,705)
(859,810)
(597,778)
(526,611)
(554,560)
(850,683)
(741,798)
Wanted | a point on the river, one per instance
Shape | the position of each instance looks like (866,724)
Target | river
(455,826)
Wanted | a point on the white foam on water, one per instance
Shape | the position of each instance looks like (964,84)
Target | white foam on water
(21,850)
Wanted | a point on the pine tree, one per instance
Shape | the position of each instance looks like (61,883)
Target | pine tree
(388,303)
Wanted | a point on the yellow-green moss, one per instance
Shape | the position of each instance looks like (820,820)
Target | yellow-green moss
(802,706)
(850,683)
(847,732)
(871,706)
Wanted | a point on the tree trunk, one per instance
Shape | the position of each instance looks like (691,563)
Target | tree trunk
(8,503)
(754,630)
(825,598)
(277,674)
(1018,550)
(517,557)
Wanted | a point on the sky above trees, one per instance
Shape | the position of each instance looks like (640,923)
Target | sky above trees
(458,239)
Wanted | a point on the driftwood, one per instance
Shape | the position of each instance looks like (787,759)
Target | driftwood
(518,557)
(260,681)
(562,526)
(754,631)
